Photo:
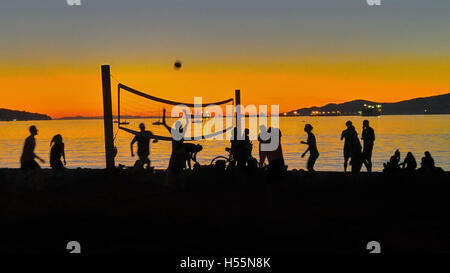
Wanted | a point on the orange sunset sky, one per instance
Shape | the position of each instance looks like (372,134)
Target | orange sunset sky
(291,53)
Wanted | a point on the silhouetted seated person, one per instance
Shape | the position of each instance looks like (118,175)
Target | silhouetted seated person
(190,153)
(427,164)
(143,142)
(27,160)
(410,163)
(241,149)
(56,153)
(312,148)
(352,147)
(276,167)
(368,136)
(394,163)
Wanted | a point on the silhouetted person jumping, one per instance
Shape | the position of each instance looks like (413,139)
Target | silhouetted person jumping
(56,152)
(368,136)
(410,163)
(143,142)
(352,146)
(27,160)
(312,148)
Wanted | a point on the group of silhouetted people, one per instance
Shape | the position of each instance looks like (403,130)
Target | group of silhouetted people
(409,164)
(28,158)
(353,151)
(355,154)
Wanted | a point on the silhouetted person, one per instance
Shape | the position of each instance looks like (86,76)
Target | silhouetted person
(190,153)
(368,136)
(176,162)
(312,148)
(427,163)
(27,160)
(276,165)
(352,148)
(241,149)
(410,163)
(394,163)
(348,135)
(263,138)
(56,153)
(143,142)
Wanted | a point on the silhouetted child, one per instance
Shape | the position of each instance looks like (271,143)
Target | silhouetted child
(27,160)
(56,152)
(394,163)
(368,136)
(312,148)
(410,163)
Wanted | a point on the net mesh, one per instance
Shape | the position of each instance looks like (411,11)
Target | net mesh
(205,119)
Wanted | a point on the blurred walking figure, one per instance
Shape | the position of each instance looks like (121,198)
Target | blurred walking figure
(352,147)
(312,148)
(56,152)
(368,136)
(27,160)
(410,163)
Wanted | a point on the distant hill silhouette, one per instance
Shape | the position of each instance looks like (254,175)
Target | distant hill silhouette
(429,105)
(9,115)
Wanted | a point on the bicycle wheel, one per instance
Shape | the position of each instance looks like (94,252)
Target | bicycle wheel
(218,158)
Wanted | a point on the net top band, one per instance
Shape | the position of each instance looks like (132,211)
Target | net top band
(134,91)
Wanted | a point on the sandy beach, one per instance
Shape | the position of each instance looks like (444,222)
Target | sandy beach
(223,213)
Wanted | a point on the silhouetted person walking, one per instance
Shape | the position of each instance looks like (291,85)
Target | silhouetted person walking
(368,136)
(312,148)
(56,152)
(410,163)
(352,146)
(27,160)
(143,142)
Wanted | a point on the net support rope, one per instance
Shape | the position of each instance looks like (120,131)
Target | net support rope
(165,101)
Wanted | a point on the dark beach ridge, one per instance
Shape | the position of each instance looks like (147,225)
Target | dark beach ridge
(218,213)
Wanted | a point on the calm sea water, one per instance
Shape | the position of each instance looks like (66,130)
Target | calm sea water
(85,145)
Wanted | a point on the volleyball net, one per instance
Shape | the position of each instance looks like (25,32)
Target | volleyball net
(201,120)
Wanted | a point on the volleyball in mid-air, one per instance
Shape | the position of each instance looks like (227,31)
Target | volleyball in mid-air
(177,65)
